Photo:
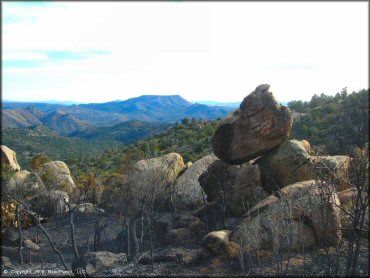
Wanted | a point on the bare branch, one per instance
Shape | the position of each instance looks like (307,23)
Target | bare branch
(27,210)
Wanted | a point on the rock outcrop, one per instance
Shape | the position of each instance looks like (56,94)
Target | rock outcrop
(217,243)
(160,170)
(306,213)
(335,168)
(29,244)
(348,199)
(151,177)
(290,163)
(258,126)
(49,203)
(25,184)
(188,192)
(98,261)
(56,176)
(287,164)
(239,187)
(9,158)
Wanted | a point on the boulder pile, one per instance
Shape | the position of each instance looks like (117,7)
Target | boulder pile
(257,190)
(272,193)
(46,189)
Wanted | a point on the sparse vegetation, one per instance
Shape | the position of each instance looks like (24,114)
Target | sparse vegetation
(115,209)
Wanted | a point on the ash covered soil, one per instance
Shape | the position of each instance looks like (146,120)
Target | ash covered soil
(315,261)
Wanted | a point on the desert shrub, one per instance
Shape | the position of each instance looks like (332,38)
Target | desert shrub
(6,173)
(37,161)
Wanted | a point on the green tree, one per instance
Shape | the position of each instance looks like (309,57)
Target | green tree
(37,161)
(185,121)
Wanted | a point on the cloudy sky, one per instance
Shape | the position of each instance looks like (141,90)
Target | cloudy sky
(97,52)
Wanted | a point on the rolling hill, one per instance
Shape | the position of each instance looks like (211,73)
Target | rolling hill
(154,108)
(126,132)
(66,119)
(28,142)
(63,122)
(22,117)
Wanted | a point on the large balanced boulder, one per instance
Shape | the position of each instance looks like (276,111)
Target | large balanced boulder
(9,158)
(25,184)
(290,163)
(306,213)
(238,187)
(188,192)
(258,126)
(56,176)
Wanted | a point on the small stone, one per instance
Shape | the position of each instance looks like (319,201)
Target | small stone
(30,245)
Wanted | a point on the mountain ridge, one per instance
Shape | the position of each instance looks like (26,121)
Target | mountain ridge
(149,108)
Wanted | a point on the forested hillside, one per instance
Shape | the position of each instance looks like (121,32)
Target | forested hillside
(191,138)
(29,142)
(336,123)
(127,132)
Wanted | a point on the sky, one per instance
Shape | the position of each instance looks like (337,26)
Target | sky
(219,51)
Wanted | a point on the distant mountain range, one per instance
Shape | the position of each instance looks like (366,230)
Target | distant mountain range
(68,119)
(57,120)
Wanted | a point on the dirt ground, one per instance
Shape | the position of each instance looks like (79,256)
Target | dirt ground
(314,262)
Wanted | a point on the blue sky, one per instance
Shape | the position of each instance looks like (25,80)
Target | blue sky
(104,51)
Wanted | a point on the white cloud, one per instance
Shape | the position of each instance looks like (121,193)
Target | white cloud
(217,51)
(23,56)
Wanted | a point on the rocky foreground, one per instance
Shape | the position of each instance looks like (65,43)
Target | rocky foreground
(260,205)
